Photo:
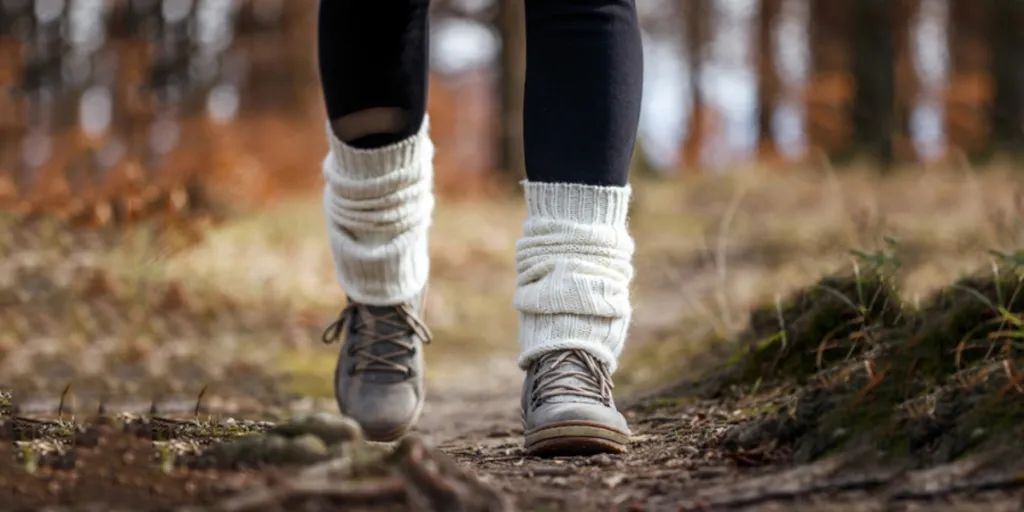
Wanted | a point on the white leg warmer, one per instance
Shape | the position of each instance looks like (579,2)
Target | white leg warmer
(574,265)
(379,204)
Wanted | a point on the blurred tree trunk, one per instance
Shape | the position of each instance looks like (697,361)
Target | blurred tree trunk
(874,67)
(768,78)
(830,92)
(906,82)
(1007,43)
(304,66)
(969,101)
(697,22)
(512,28)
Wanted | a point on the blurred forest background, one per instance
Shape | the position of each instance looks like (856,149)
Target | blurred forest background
(112,110)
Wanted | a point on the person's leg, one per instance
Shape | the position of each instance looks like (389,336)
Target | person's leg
(378,200)
(574,261)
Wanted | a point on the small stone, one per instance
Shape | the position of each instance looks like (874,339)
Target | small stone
(612,481)
(252,450)
(708,472)
(602,460)
(689,450)
(362,457)
(340,450)
(275,449)
(305,449)
(222,452)
(330,428)
(245,450)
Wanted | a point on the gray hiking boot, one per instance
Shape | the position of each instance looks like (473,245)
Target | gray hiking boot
(379,378)
(568,407)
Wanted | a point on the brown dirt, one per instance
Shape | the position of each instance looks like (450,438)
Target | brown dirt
(677,461)
(110,463)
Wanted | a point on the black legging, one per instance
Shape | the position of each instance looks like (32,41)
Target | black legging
(583,79)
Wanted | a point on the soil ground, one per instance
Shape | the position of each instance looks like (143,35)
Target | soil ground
(90,320)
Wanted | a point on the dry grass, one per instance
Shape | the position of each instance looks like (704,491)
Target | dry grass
(714,248)
(709,249)
(280,256)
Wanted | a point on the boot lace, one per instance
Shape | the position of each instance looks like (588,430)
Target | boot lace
(364,324)
(574,373)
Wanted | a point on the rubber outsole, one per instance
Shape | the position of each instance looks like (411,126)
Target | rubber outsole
(575,438)
(386,437)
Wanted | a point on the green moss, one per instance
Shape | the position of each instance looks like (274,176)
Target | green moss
(661,403)
(758,410)
(5,403)
(960,324)
(943,350)
(918,385)
(836,319)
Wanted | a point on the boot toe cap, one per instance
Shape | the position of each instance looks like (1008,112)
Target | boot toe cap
(383,412)
(568,412)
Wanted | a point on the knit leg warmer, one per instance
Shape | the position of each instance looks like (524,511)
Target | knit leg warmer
(574,265)
(379,204)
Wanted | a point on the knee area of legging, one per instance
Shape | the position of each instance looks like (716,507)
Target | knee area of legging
(377,127)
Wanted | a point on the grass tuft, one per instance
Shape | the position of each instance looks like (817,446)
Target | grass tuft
(850,365)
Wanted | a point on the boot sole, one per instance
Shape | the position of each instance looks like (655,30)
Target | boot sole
(575,438)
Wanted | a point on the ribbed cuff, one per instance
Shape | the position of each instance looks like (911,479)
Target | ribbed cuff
(586,204)
(370,163)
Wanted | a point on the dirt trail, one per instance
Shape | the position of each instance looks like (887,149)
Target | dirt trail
(676,462)
(473,414)
(681,457)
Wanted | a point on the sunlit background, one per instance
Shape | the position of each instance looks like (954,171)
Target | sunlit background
(191,132)
(97,92)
